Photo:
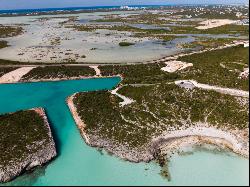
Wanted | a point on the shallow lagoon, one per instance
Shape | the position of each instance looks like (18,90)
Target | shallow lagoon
(35,44)
(79,164)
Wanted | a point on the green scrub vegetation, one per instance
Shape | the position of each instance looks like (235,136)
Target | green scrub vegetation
(126,44)
(209,42)
(4,70)
(19,134)
(220,67)
(3,44)
(160,105)
(157,108)
(53,72)
(10,31)
(139,74)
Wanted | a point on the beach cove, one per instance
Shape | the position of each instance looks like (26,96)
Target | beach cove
(79,164)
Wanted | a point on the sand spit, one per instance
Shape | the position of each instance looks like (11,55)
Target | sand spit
(212,23)
(126,100)
(15,76)
(45,152)
(189,84)
(173,66)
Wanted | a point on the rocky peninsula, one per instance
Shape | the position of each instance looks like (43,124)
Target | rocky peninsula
(26,142)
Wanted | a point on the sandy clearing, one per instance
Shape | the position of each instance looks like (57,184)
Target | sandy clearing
(126,100)
(244,74)
(97,70)
(191,83)
(246,44)
(173,66)
(212,23)
(16,75)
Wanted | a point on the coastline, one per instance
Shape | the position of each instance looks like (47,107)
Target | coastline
(44,155)
(172,109)
(74,10)
(170,142)
(202,134)
(61,79)
(129,155)
(80,124)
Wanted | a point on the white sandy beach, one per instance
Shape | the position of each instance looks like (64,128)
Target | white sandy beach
(173,66)
(97,70)
(16,75)
(126,100)
(212,23)
(204,134)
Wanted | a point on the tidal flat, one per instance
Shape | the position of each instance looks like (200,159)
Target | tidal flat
(95,37)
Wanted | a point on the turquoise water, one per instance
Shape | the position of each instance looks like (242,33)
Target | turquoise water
(79,164)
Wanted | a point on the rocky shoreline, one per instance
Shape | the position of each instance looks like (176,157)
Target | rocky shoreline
(45,151)
(236,141)
(174,141)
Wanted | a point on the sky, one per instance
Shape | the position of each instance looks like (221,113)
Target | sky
(26,4)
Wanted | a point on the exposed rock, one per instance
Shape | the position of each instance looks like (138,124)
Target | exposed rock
(24,153)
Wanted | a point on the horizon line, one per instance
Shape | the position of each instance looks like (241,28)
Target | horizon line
(170,4)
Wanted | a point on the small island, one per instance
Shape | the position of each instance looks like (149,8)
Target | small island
(125,44)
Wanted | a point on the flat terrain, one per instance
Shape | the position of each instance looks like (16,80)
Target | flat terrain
(120,36)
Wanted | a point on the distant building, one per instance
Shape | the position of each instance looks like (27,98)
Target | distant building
(131,8)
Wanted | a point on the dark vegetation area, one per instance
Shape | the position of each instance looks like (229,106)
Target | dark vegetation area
(125,44)
(10,31)
(209,67)
(50,72)
(19,134)
(3,44)
(139,74)
(157,109)
(4,70)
